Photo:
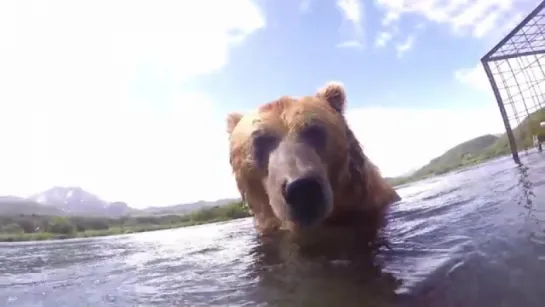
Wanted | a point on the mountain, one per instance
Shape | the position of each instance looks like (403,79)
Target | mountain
(478,150)
(11,205)
(76,201)
(119,208)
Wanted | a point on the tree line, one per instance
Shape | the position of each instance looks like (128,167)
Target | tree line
(71,225)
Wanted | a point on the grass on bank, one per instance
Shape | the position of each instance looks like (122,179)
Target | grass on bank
(40,227)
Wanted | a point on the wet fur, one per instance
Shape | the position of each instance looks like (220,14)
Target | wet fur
(361,195)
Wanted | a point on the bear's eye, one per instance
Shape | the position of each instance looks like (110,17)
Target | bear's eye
(263,144)
(314,135)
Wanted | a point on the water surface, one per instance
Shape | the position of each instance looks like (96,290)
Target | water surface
(471,238)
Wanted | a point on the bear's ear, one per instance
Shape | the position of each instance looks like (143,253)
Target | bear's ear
(232,121)
(334,93)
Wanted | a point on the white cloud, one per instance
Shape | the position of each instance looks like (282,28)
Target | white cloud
(487,24)
(390,17)
(92,94)
(352,11)
(383,38)
(478,18)
(399,140)
(474,76)
(402,48)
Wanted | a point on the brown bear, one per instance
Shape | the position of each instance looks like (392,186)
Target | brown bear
(298,165)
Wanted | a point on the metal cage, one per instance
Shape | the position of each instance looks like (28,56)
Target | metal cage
(515,69)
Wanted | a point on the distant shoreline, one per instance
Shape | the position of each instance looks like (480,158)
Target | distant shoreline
(19,228)
(42,236)
(404,180)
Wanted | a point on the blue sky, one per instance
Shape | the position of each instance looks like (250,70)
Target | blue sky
(128,98)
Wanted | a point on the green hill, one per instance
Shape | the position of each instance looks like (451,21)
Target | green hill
(478,150)
(522,133)
(460,155)
(467,153)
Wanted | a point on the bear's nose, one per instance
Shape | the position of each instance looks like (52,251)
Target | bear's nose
(305,197)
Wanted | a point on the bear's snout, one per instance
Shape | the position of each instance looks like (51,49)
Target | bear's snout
(297,184)
(306,200)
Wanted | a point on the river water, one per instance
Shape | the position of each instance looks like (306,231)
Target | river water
(471,238)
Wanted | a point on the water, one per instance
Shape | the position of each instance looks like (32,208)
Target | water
(472,238)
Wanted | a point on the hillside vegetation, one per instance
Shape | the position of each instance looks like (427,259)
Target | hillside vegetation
(522,133)
(478,150)
(42,227)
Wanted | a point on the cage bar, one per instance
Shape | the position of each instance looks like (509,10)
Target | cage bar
(514,68)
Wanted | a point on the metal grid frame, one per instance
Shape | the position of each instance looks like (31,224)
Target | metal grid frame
(515,69)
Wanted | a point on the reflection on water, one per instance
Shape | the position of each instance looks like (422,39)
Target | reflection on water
(472,238)
(335,271)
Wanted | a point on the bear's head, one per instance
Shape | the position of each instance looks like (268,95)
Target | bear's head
(297,163)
